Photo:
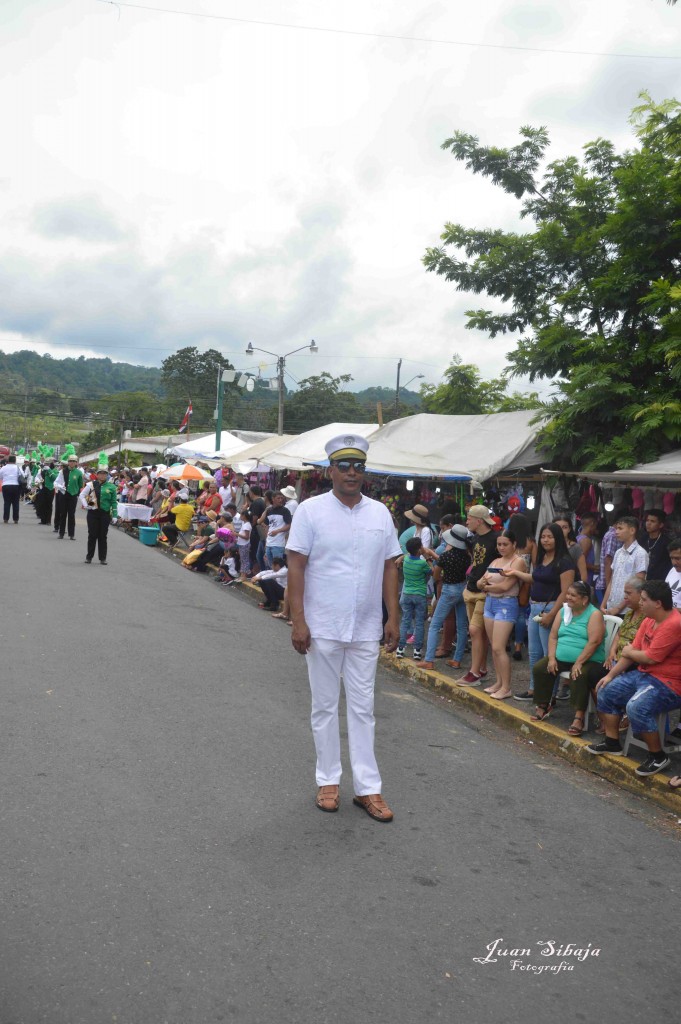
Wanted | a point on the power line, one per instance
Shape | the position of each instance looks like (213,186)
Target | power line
(386,35)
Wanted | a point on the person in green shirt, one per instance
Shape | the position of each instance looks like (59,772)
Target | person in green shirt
(100,500)
(68,486)
(414,599)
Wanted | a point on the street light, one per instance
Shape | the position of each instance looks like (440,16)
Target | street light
(281,362)
(399,387)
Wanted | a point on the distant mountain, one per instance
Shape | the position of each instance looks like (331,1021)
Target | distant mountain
(90,379)
(78,378)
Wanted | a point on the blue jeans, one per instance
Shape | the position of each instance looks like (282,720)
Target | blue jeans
(521,625)
(273,552)
(413,606)
(642,696)
(537,636)
(451,597)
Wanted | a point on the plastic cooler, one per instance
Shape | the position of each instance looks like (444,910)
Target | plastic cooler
(149,535)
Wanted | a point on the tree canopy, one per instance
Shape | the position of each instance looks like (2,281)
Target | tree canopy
(463,392)
(592,291)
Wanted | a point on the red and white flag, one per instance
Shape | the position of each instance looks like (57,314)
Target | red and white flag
(185,422)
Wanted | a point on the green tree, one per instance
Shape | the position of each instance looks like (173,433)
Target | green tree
(321,400)
(580,289)
(463,392)
(190,374)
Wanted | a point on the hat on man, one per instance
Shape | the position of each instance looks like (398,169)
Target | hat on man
(347,446)
(211,515)
(419,515)
(481,512)
(456,537)
(289,492)
(103,463)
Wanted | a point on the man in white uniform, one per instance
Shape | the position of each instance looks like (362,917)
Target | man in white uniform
(341,555)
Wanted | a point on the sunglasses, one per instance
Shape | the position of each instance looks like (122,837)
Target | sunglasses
(345,465)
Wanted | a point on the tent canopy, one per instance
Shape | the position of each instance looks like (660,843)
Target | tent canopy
(307,448)
(665,470)
(455,447)
(204,447)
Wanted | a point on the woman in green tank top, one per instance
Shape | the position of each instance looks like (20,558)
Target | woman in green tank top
(577,645)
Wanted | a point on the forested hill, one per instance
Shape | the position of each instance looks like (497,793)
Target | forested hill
(83,377)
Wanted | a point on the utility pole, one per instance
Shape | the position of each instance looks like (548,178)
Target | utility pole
(120,443)
(281,363)
(397,390)
(218,412)
(280,381)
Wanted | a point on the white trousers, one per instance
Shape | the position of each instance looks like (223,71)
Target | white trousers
(327,661)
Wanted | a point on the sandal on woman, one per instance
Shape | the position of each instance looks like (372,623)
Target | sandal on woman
(674,782)
(541,712)
(577,727)
(279,615)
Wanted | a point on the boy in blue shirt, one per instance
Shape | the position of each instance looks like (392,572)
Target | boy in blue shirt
(414,600)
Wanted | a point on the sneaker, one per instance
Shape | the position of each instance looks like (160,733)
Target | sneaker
(399,653)
(563,693)
(470,679)
(88,561)
(653,764)
(525,695)
(604,747)
(418,654)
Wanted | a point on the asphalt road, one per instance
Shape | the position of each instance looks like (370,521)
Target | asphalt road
(162,860)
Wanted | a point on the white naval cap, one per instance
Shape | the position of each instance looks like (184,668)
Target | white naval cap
(347,446)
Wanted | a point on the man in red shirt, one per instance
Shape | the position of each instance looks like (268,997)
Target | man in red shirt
(646,680)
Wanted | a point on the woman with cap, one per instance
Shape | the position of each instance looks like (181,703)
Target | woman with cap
(453,563)
(100,499)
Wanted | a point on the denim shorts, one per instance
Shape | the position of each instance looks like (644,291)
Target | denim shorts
(501,609)
(642,696)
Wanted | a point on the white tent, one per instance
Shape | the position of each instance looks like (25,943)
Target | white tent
(255,459)
(204,447)
(308,448)
(666,468)
(455,447)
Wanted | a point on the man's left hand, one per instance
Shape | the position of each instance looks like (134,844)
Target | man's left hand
(391,634)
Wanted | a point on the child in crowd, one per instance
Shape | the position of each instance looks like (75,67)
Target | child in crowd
(243,542)
(272,582)
(229,567)
(414,600)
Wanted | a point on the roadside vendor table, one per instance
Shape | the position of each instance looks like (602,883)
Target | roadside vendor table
(142,513)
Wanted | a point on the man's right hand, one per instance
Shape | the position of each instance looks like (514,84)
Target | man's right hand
(300,636)
(602,682)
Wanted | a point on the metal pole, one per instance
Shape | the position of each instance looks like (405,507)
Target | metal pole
(218,425)
(280,376)
(397,390)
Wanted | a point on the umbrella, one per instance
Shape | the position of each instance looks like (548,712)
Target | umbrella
(183,471)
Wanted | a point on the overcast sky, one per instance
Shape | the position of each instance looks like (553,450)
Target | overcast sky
(171,180)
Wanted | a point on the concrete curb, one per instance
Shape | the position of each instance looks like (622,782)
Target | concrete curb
(617,770)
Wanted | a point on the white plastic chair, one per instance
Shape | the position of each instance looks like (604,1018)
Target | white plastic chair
(613,624)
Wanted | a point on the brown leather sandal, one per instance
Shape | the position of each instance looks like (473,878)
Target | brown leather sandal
(328,798)
(375,806)
(577,727)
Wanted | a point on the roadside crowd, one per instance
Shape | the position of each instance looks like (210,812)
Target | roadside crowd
(599,625)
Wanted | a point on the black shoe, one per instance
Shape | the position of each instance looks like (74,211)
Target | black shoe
(517,655)
(563,694)
(61,536)
(103,561)
(653,764)
(88,561)
(604,748)
(417,654)
(525,695)
(72,538)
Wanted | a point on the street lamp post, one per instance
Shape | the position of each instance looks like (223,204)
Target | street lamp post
(281,363)
(399,387)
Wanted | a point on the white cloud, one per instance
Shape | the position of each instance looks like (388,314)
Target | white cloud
(172,180)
